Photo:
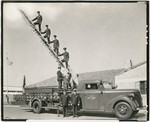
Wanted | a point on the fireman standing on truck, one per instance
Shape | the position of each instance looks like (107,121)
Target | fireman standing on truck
(59,77)
(66,57)
(38,20)
(75,98)
(64,101)
(47,33)
(69,80)
(56,44)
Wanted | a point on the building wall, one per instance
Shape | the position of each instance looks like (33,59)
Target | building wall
(132,83)
(9,97)
(12,88)
(9,92)
(131,79)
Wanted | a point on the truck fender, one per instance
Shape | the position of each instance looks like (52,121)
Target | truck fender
(110,106)
(35,99)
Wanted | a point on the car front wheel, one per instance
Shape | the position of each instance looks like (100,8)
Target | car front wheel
(123,110)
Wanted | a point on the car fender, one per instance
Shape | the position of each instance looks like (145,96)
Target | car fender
(110,106)
(35,99)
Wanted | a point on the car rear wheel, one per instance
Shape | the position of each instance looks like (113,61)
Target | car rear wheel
(123,110)
(37,107)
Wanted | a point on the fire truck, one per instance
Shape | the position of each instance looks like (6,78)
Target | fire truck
(96,96)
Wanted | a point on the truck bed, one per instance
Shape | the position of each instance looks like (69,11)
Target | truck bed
(48,89)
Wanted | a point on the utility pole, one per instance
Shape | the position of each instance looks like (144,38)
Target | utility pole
(9,63)
(7,73)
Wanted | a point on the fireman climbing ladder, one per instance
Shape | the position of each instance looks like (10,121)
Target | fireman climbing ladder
(29,22)
(40,36)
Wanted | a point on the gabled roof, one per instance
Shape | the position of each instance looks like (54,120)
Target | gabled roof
(105,75)
(133,67)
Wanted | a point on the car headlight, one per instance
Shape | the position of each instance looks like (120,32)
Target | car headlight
(131,95)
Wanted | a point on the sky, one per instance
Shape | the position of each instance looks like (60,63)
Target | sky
(98,36)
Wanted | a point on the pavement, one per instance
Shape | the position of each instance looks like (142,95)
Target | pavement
(17,112)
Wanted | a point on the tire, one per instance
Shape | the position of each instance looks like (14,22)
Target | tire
(37,107)
(123,110)
(135,112)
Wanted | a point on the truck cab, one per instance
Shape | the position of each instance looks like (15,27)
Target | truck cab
(99,96)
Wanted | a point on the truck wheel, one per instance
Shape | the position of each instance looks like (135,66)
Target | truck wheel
(37,107)
(135,112)
(123,110)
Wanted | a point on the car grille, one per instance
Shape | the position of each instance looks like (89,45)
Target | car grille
(138,98)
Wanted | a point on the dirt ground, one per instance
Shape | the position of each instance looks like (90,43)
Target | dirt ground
(17,112)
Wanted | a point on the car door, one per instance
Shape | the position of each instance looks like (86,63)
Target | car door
(92,96)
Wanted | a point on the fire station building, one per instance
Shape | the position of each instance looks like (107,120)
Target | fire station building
(133,77)
(9,92)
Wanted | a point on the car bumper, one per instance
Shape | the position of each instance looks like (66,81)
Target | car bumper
(141,108)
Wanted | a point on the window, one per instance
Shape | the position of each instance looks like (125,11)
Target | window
(107,86)
(143,87)
(91,86)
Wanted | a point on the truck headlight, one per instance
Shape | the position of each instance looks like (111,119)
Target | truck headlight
(131,95)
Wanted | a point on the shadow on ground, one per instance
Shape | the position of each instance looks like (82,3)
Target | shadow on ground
(94,114)
(100,114)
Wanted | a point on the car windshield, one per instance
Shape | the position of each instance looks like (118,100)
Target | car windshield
(107,85)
